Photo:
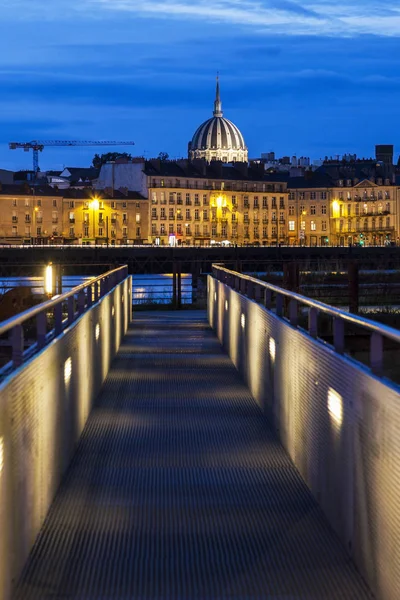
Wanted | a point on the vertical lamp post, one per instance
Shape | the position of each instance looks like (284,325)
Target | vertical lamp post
(95,206)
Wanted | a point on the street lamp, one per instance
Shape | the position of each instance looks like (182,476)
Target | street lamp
(94,205)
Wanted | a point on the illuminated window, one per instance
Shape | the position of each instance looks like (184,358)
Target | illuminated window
(313,226)
(291,225)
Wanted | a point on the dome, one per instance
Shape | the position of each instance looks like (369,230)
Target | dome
(218,138)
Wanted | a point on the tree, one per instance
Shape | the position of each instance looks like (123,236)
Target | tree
(163,156)
(99,160)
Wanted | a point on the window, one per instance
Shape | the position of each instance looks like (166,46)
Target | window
(197,200)
(313,195)
(188,213)
(292,195)
(113,203)
(54,203)
(387,195)
(234,201)
(14,202)
(246,201)
(28,231)
(179,228)
(187,200)
(341,195)
(291,210)
(312,209)
(291,225)
(323,195)
(171,214)
(124,205)
(86,231)
(349,209)
(302,209)
(26,201)
(213,230)
(39,202)
(365,208)
(313,226)
(223,231)
(14,217)
(273,231)
(171,228)
(303,225)
(101,204)
(205,229)
(387,222)
(205,215)
(125,230)
(196,215)
(154,213)
(264,202)
(301,195)
(71,232)
(264,232)
(323,209)
(14,230)
(255,201)
(205,199)
(387,209)
(125,216)
(323,225)
(71,204)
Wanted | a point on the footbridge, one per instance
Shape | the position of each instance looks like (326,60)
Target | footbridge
(233,453)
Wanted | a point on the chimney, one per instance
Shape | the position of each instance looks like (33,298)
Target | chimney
(242,168)
(384,153)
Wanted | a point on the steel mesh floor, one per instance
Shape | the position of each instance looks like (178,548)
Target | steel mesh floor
(179,490)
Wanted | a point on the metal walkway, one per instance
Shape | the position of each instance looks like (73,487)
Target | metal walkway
(179,490)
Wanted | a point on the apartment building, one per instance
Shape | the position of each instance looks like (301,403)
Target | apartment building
(193,203)
(42,215)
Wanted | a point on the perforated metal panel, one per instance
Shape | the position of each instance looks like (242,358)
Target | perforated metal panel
(339,423)
(43,409)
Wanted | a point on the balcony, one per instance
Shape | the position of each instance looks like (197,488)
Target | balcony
(39,220)
(179,217)
(188,218)
(15,219)
(197,218)
(163,202)
(281,207)
(54,221)
(72,221)
(171,217)
(114,221)
(163,217)
(256,222)
(188,203)
(171,201)
(282,221)
(265,221)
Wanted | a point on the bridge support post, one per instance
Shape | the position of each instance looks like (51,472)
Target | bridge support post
(353,287)
(17,342)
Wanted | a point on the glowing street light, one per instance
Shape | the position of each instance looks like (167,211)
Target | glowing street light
(48,280)
(94,205)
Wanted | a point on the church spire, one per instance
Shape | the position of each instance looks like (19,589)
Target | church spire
(217,103)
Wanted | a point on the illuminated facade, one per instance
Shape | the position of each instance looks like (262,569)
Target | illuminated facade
(218,138)
(350,213)
(215,205)
(76,216)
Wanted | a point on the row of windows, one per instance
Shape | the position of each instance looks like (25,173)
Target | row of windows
(355,195)
(218,185)
(72,203)
(86,231)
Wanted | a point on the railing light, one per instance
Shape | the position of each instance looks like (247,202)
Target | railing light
(335,406)
(226,305)
(272,349)
(67,370)
(243,320)
(113,311)
(97,331)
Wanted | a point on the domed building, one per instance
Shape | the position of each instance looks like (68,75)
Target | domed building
(218,138)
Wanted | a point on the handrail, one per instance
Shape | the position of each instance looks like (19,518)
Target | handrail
(377,331)
(46,306)
(80,297)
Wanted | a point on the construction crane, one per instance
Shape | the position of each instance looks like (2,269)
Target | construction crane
(38,146)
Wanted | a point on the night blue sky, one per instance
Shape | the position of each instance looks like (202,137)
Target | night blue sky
(306,78)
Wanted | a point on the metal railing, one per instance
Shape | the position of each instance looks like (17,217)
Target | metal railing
(286,305)
(64,310)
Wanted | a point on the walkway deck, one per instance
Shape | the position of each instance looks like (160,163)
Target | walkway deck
(179,490)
